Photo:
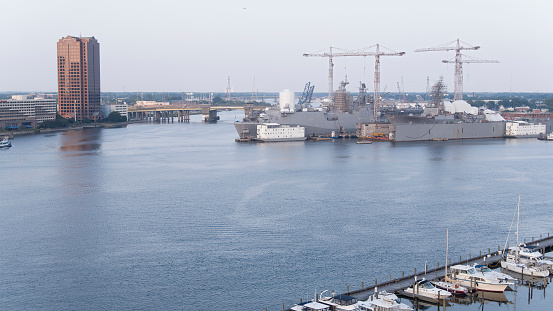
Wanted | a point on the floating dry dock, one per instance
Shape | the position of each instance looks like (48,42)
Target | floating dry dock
(491,258)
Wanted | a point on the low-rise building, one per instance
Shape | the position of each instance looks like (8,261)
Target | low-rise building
(120,107)
(21,112)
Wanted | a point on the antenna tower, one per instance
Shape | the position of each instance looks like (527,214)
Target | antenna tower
(228,89)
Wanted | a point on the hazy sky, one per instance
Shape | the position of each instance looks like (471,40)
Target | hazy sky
(195,45)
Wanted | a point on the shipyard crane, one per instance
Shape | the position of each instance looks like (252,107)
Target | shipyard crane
(458,61)
(359,52)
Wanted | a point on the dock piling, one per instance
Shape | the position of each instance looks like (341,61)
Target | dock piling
(362,285)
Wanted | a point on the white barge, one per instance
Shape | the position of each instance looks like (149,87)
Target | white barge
(276,132)
(521,129)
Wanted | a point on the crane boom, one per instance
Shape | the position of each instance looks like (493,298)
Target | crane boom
(458,62)
(362,52)
(473,61)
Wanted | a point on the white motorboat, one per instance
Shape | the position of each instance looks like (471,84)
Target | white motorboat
(424,288)
(311,306)
(451,286)
(340,302)
(382,303)
(529,254)
(526,269)
(529,266)
(467,276)
(498,275)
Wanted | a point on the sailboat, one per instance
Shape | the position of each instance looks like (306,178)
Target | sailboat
(511,260)
(447,283)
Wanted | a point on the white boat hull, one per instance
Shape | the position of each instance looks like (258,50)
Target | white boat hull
(523,269)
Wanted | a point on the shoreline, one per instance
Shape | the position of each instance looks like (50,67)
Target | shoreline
(11,134)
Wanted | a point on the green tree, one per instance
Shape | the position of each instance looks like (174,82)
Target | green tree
(114,117)
(549,103)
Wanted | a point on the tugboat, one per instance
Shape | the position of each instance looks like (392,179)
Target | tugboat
(5,143)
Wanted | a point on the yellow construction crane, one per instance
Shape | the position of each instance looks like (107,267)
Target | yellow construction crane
(360,52)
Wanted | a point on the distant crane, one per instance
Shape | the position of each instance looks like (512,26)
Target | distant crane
(458,62)
(307,94)
(359,52)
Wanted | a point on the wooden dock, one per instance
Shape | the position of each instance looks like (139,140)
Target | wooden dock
(491,259)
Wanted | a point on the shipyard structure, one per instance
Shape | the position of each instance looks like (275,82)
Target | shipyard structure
(353,116)
(368,119)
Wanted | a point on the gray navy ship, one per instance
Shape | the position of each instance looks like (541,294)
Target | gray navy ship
(341,115)
(344,115)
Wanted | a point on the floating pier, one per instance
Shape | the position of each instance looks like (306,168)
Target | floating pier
(491,258)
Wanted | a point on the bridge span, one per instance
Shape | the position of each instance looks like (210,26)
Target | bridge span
(163,113)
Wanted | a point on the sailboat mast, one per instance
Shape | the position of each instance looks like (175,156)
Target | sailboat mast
(446,251)
(518,218)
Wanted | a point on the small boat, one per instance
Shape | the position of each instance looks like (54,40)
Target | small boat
(531,255)
(425,289)
(340,302)
(467,276)
(512,260)
(451,286)
(382,302)
(5,143)
(498,275)
(546,137)
(311,306)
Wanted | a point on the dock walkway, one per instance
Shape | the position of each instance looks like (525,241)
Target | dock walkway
(491,259)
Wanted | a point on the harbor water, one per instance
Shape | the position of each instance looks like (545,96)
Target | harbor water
(179,216)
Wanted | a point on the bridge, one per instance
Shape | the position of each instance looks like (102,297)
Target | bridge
(164,113)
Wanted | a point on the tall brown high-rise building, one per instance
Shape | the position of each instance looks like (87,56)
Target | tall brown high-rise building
(79,78)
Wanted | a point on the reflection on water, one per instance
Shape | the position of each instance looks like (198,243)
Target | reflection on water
(529,294)
(152,216)
(81,142)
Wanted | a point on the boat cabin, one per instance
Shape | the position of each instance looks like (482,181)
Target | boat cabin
(311,306)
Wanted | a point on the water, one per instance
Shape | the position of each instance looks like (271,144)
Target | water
(179,216)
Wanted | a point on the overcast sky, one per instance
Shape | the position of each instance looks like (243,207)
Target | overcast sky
(195,45)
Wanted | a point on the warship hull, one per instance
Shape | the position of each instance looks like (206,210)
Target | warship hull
(447,131)
(316,123)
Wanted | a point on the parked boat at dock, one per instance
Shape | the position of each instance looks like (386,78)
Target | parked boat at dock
(548,136)
(498,275)
(512,258)
(469,277)
(311,306)
(451,286)
(340,302)
(530,254)
(382,302)
(424,289)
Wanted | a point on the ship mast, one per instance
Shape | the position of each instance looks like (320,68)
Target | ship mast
(518,218)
